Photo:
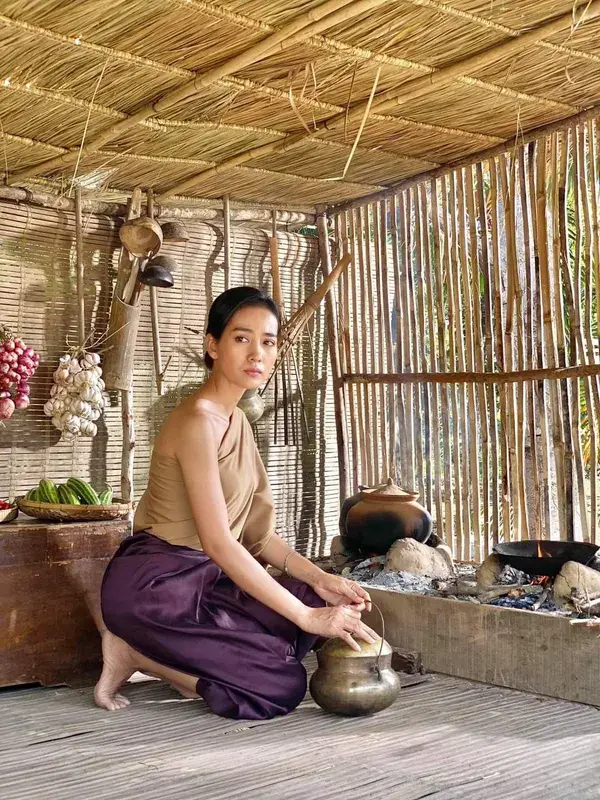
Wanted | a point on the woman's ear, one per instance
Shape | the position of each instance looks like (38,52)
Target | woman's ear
(210,346)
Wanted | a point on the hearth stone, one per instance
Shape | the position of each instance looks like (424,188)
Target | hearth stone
(408,555)
(576,576)
(489,572)
(339,557)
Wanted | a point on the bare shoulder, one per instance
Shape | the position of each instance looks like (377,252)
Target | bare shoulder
(190,425)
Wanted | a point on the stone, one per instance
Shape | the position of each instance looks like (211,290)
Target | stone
(339,557)
(408,555)
(576,576)
(489,572)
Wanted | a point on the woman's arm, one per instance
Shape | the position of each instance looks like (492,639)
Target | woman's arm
(332,588)
(196,448)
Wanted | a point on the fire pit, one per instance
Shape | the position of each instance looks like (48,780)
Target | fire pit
(543,557)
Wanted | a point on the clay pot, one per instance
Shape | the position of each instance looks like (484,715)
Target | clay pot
(381,516)
(252,404)
(354,683)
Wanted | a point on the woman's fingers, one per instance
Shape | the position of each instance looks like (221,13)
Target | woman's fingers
(349,641)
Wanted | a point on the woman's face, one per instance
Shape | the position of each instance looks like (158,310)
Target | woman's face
(246,352)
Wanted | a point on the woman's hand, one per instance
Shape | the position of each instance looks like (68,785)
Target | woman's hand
(341,621)
(340,591)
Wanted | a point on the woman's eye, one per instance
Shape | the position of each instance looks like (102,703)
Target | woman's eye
(271,343)
(241,339)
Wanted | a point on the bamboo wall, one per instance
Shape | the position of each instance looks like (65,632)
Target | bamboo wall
(38,299)
(492,268)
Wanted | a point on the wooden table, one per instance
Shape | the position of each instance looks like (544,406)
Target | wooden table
(47,634)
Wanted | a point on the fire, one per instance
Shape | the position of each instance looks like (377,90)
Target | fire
(540,552)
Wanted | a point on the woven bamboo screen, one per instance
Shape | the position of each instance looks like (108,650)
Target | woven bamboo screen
(38,299)
(486,271)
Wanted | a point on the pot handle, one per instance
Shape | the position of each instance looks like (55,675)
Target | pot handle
(377,668)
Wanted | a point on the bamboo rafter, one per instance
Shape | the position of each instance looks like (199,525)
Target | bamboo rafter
(500,378)
(323,43)
(299,27)
(390,99)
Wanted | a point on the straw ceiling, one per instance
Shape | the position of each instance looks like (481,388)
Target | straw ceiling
(281,102)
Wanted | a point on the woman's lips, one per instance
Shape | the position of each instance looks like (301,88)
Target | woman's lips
(253,372)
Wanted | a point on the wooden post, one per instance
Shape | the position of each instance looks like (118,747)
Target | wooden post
(338,398)
(227,240)
(127,416)
(158,369)
(79,257)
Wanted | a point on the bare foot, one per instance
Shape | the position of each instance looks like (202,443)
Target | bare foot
(119,665)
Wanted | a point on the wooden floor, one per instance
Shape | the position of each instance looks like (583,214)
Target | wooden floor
(446,739)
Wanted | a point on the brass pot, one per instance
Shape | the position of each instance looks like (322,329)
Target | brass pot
(252,404)
(381,516)
(354,683)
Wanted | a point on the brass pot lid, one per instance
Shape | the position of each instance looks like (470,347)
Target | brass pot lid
(388,492)
(337,648)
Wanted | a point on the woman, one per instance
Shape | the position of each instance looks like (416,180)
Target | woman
(185,598)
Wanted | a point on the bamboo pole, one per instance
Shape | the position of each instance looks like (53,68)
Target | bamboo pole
(500,354)
(338,397)
(453,324)
(445,521)
(548,328)
(466,378)
(154,315)
(361,442)
(529,351)
(371,334)
(400,460)
(544,447)
(412,306)
(582,191)
(471,456)
(364,329)
(347,293)
(381,322)
(490,415)
(433,361)
(387,325)
(513,351)
(127,411)
(406,357)
(421,243)
(227,240)
(80,268)
(572,284)
(478,398)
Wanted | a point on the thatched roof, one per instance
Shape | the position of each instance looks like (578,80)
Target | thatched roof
(264,100)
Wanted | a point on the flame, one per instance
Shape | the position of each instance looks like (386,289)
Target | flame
(540,552)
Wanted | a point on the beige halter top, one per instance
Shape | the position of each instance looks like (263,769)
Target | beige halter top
(164,509)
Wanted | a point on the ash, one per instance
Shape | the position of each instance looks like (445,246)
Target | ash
(370,573)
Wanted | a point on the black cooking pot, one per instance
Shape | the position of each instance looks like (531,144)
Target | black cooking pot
(525,556)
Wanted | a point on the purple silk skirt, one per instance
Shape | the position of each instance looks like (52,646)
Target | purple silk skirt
(177,607)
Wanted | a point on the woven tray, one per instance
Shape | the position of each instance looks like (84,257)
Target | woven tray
(8,514)
(62,512)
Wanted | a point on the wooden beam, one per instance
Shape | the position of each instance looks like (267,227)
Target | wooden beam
(517,376)
(391,98)
(37,197)
(307,22)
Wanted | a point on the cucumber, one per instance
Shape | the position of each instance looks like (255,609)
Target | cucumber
(84,492)
(106,496)
(67,496)
(32,494)
(47,492)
